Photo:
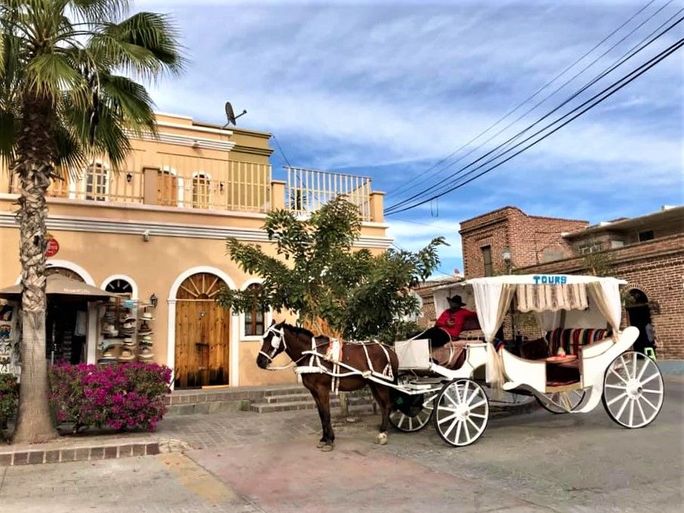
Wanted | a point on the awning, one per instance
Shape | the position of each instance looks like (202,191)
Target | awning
(61,286)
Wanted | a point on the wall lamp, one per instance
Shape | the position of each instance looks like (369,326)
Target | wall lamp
(154,300)
(506,254)
(129,177)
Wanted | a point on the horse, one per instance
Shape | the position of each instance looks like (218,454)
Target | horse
(294,341)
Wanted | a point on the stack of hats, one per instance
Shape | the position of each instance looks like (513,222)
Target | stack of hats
(110,336)
(145,337)
(126,355)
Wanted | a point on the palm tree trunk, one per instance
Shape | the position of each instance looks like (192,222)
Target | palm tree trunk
(34,168)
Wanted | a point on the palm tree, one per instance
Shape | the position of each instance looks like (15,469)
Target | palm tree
(68,93)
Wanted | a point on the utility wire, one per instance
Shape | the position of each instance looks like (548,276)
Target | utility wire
(516,108)
(616,86)
(503,145)
(280,149)
(628,55)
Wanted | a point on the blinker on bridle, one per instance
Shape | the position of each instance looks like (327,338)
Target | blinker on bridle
(278,336)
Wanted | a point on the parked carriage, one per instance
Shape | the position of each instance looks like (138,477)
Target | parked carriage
(581,318)
(584,359)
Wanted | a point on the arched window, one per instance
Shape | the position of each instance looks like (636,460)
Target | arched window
(120,287)
(96,182)
(254,318)
(200,190)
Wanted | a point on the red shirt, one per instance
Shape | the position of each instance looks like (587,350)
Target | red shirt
(452,321)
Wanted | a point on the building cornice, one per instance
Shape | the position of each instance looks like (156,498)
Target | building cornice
(265,152)
(209,130)
(75,224)
(186,140)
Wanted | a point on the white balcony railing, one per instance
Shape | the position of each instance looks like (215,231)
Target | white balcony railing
(309,189)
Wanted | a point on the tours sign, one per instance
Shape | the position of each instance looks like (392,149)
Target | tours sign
(51,246)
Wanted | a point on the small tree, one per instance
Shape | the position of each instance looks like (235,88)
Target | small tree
(331,287)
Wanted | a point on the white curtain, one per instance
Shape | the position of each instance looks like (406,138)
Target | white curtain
(492,300)
(606,294)
(540,298)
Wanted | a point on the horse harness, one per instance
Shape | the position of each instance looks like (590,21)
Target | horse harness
(316,364)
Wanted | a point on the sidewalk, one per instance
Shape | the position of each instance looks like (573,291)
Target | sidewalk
(178,433)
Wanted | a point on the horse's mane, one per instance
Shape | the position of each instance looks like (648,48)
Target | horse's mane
(298,330)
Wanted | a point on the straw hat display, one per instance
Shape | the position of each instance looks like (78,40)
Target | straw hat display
(126,355)
(145,354)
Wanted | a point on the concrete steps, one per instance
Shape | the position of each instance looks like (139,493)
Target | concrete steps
(358,403)
(259,400)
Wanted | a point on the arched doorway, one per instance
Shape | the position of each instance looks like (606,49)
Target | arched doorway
(639,314)
(66,323)
(202,354)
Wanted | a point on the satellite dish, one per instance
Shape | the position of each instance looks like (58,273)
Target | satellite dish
(230,115)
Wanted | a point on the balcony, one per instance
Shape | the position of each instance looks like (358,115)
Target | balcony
(309,189)
(200,184)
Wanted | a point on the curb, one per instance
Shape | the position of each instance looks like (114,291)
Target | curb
(51,453)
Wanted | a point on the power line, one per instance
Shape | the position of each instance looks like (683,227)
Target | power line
(280,149)
(516,108)
(627,79)
(625,57)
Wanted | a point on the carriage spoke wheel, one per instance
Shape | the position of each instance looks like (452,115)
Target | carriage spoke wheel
(633,390)
(409,424)
(561,402)
(461,412)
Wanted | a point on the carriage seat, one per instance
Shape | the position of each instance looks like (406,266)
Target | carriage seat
(571,339)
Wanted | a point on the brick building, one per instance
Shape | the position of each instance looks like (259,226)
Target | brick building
(646,251)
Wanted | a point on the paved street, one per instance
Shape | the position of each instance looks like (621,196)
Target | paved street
(244,462)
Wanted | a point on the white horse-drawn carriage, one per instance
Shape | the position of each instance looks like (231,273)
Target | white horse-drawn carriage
(583,358)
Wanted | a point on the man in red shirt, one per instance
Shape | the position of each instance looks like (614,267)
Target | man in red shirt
(453,319)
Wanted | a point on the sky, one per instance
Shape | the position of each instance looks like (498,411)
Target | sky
(389,90)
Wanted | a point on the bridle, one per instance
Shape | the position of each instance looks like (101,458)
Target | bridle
(278,337)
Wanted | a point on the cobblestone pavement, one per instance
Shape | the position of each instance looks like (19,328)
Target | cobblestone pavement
(245,462)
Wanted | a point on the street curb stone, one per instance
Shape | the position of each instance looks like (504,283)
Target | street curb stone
(51,453)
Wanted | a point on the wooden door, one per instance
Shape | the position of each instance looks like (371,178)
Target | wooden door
(202,333)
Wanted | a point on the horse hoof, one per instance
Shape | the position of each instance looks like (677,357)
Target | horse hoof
(381,439)
(327,447)
(321,444)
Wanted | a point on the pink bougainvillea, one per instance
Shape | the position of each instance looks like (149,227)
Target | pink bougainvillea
(126,396)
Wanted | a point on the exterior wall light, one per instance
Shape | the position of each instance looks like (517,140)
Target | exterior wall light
(154,300)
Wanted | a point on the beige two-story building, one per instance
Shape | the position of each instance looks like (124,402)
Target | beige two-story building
(154,233)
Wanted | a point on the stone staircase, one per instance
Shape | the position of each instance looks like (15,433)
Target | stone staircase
(259,400)
(300,399)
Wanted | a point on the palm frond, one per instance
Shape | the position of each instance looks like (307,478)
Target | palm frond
(132,100)
(146,44)
(50,73)
(98,10)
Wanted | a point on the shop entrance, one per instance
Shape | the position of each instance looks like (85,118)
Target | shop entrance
(202,333)
(66,323)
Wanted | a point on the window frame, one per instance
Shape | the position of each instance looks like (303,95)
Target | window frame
(267,317)
(488,267)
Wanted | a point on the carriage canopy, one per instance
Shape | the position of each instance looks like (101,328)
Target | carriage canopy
(590,300)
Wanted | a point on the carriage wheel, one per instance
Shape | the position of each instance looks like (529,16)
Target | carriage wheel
(461,412)
(561,402)
(633,390)
(409,424)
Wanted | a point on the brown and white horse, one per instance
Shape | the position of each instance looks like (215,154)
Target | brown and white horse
(296,341)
